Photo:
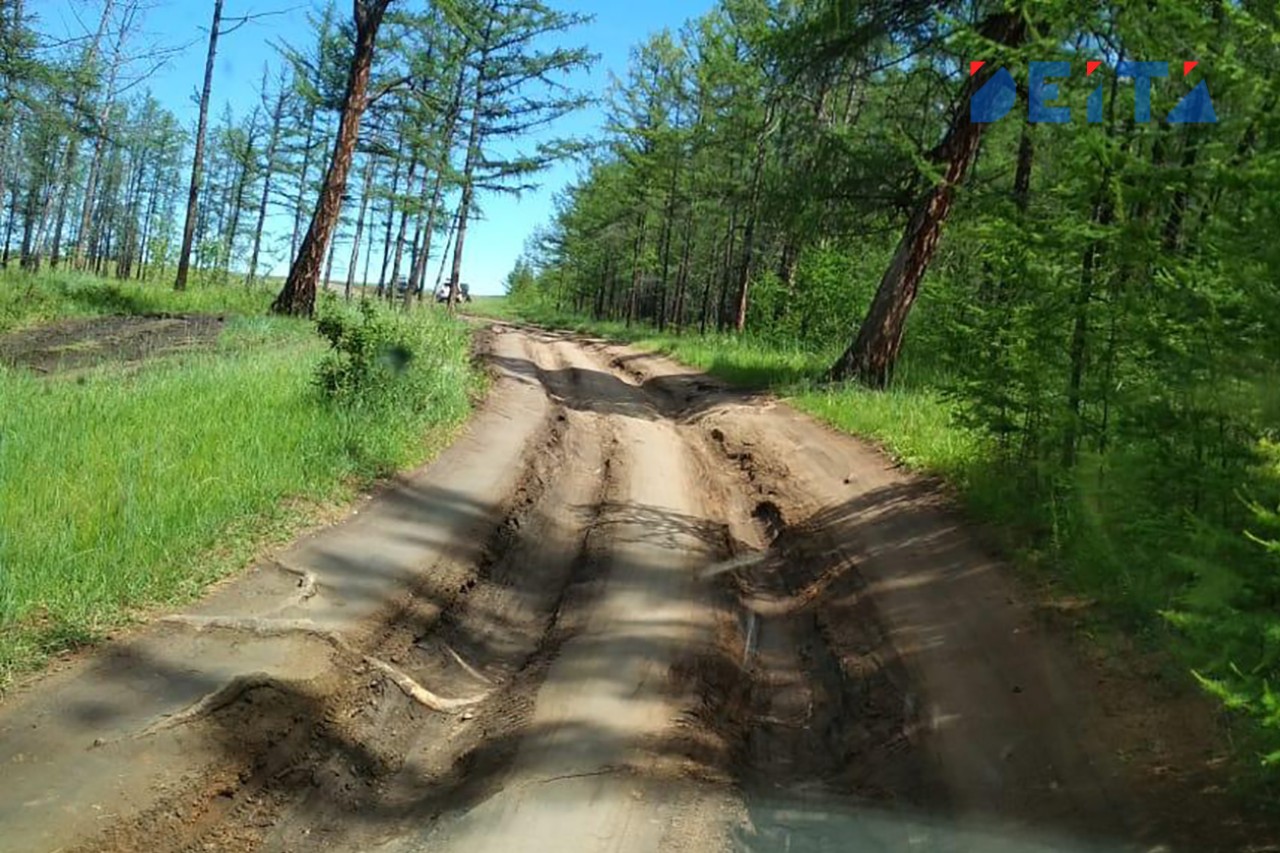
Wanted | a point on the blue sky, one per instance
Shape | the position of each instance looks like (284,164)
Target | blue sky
(494,243)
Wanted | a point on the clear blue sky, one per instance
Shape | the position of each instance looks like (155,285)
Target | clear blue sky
(494,243)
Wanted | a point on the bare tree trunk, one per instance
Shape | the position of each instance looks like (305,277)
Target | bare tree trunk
(442,163)
(237,197)
(730,243)
(368,254)
(302,182)
(391,216)
(874,352)
(404,227)
(364,207)
(637,249)
(418,273)
(444,258)
(73,141)
(473,155)
(6,124)
(749,234)
(299,293)
(189,229)
(147,218)
(272,143)
(328,264)
(682,277)
(99,151)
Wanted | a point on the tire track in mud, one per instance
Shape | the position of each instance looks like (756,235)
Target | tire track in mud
(604,754)
(307,757)
(815,704)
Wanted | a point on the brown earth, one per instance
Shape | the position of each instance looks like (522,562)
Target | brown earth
(85,342)
(628,610)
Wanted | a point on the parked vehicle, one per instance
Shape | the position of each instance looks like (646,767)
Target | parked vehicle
(464,294)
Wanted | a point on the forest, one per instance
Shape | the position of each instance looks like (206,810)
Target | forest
(374,152)
(794,192)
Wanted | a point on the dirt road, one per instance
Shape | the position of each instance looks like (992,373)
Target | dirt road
(628,610)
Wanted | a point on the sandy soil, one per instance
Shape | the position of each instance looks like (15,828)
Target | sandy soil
(628,610)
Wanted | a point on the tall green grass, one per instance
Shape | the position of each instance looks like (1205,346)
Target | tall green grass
(121,489)
(29,300)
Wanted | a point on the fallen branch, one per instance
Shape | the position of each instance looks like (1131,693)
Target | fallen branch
(214,702)
(306,579)
(281,627)
(466,667)
(420,694)
(744,561)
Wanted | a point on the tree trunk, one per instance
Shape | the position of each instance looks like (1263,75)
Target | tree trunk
(636,250)
(416,278)
(398,254)
(328,264)
(73,142)
(473,155)
(391,215)
(189,229)
(682,276)
(749,234)
(444,258)
(299,294)
(873,354)
(299,208)
(1103,214)
(237,199)
(273,142)
(418,274)
(355,244)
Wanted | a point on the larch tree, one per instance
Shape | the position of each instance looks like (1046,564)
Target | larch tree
(299,293)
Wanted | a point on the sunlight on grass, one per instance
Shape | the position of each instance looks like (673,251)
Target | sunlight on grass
(27,300)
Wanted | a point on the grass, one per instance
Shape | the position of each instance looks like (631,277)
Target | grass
(124,489)
(27,300)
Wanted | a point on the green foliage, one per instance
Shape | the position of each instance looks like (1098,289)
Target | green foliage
(365,356)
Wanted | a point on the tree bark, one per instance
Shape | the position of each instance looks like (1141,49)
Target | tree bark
(874,352)
(749,234)
(299,294)
(197,164)
(237,199)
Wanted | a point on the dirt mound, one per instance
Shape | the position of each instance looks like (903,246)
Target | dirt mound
(80,343)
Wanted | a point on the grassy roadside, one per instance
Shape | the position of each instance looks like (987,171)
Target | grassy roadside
(27,300)
(123,489)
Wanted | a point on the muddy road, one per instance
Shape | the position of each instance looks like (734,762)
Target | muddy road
(628,610)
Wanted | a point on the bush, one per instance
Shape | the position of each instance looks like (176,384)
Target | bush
(367,351)
(385,372)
